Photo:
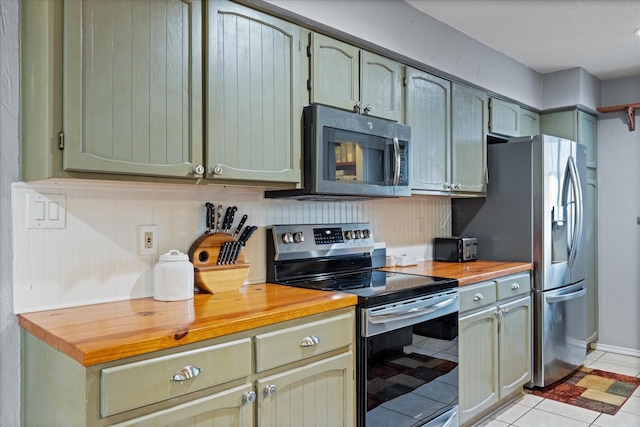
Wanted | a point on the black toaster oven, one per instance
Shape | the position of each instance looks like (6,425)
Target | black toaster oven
(455,249)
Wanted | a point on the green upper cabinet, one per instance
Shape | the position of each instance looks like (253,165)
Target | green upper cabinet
(469,123)
(588,135)
(132,87)
(428,112)
(255,93)
(335,72)
(346,77)
(380,86)
(504,118)
(575,125)
(529,122)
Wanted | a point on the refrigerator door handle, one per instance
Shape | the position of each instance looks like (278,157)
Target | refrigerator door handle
(567,297)
(579,213)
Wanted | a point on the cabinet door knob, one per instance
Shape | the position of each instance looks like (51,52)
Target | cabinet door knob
(186,373)
(198,171)
(477,297)
(270,390)
(515,287)
(310,341)
(368,109)
(356,108)
(249,397)
(217,170)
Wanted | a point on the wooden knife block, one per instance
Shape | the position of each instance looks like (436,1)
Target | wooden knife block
(208,275)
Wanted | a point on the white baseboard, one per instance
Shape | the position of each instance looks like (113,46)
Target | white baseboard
(618,350)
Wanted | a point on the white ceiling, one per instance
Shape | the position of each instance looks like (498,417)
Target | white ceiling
(551,35)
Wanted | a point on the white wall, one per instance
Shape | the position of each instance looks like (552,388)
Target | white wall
(569,88)
(9,332)
(618,212)
(94,258)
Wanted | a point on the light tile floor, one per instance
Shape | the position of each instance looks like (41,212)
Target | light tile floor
(534,411)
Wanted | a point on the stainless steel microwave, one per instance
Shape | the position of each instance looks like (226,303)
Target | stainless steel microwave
(349,156)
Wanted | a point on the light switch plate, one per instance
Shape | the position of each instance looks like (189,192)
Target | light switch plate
(45,210)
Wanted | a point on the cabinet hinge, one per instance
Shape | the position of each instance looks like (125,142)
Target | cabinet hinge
(61,140)
(308,51)
(308,84)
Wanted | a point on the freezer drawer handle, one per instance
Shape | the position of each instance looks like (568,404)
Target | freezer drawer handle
(567,297)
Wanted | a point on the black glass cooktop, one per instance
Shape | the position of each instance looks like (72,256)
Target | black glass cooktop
(376,287)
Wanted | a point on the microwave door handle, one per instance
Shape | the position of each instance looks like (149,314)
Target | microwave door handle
(579,214)
(396,161)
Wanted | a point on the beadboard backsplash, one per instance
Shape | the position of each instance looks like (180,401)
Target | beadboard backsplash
(94,258)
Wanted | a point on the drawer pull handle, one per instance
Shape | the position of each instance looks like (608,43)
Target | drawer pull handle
(477,297)
(310,341)
(515,287)
(270,390)
(249,397)
(186,373)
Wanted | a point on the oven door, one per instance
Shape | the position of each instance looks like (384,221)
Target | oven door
(408,362)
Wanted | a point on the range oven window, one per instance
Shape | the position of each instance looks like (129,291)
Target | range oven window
(411,369)
(356,158)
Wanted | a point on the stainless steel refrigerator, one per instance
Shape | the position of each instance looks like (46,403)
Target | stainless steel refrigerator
(534,211)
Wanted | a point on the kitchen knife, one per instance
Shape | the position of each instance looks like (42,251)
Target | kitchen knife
(231,253)
(224,249)
(235,251)
(230,222)
(225,220)
(208,218)
(218,217)
(247,234)
(242,221)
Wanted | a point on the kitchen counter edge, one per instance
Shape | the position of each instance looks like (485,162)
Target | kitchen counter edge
(465,272)
(98,333)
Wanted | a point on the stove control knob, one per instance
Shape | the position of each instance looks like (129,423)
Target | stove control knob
(287,237)
(348,234)
(298,237)
(358,234)
(366,233)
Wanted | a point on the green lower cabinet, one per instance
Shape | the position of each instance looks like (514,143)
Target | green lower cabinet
(313,395)
(228,408)
(221,386)
(478,353)
(494,344)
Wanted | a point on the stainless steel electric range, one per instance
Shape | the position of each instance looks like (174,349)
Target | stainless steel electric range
(407,337)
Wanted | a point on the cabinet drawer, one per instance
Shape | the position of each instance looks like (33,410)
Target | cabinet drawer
(476,296)
(136,384)
(512,286)
(299,342)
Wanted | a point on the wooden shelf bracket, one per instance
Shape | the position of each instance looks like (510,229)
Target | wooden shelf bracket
(630,109)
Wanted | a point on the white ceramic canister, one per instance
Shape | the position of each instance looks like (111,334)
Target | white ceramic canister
(173,277)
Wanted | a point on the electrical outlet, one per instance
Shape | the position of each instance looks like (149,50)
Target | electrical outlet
(147,239)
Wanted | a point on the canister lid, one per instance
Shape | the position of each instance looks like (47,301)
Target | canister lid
(174,255)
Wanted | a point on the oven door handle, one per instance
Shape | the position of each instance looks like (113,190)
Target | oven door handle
(414,312)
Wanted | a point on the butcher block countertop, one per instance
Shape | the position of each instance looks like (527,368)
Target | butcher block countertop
(105,332)
(465,272)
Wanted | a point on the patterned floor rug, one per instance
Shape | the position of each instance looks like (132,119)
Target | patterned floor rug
(588,388)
